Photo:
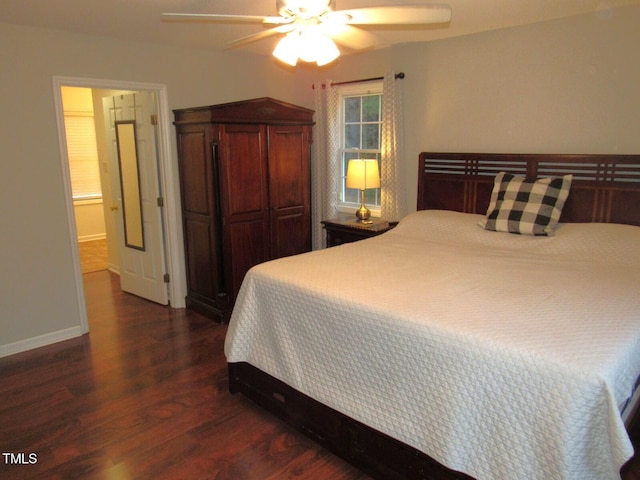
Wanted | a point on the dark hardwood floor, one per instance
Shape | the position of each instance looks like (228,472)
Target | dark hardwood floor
(144,396)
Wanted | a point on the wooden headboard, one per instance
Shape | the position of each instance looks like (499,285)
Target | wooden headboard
(605,188)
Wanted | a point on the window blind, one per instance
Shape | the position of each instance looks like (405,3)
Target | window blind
(83,156)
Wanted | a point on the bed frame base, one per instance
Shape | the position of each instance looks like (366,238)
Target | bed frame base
(371,451)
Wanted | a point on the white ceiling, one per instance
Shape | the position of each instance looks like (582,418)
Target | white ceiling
(140,20)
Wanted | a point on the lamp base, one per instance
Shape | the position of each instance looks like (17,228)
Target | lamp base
(363,214)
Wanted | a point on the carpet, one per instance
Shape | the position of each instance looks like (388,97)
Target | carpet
(94,256)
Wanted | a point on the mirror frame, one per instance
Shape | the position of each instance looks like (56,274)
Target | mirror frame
(129,172)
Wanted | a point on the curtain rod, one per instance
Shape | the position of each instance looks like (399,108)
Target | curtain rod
(397,76)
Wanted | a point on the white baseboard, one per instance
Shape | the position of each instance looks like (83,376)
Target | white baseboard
(41,341)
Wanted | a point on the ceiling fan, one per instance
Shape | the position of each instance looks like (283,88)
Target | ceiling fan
(311,28)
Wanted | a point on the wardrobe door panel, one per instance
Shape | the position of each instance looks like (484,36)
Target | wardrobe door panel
(247,240)
(290,234)
(202,224)
(201,268)
(243,153)
(195,171)
(289,156)
(243,169)
(288,166)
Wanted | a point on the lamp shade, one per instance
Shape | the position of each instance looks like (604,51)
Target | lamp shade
(363,174)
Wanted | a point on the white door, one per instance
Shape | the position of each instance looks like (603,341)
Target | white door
(132,132)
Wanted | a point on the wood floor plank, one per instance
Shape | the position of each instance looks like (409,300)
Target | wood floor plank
(145,396)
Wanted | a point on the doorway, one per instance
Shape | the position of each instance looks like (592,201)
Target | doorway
(91,184)
(169,215)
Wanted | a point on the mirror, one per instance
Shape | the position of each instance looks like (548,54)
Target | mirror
(130,184)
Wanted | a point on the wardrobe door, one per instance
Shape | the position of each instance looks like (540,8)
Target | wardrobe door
(201,219)
(289,190)
(243,168)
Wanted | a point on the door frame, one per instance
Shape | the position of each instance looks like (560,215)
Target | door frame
(171,215)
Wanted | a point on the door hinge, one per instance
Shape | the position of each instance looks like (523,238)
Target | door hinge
(165,277)
(154,119)
(160,201)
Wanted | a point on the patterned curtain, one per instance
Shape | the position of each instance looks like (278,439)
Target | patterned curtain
(325,166)
(393,204)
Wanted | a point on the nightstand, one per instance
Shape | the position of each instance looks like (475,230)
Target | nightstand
(347,229)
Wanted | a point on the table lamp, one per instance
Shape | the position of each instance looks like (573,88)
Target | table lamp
(363,174)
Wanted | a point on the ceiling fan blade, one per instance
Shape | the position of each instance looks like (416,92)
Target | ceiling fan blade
(351,37)
(398,15)
(210,17)
(259,36)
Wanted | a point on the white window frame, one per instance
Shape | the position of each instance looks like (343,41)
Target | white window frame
(368,88)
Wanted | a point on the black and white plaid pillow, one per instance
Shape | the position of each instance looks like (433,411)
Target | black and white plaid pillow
(527,207)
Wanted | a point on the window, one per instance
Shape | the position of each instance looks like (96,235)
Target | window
(83,157)
(82,149)
(360,108)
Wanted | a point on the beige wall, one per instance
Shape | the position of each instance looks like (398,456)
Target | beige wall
(568,86)
(89,216)
(565,86)
(37,291)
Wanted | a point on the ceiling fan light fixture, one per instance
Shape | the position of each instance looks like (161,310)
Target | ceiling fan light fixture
(287,49)
(313,25)
(315,46)
(318,22)
(328,52)
(308,44)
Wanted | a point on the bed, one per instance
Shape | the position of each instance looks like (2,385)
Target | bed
(444,350)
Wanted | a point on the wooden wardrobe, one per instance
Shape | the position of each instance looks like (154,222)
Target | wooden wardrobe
(245,189)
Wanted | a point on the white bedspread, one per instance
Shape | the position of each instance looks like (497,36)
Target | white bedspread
(501,356)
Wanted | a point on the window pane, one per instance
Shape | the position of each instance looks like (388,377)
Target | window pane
(371,196)
(371,108)
(352,136)
(371,136)
(352,109)
(352,195)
